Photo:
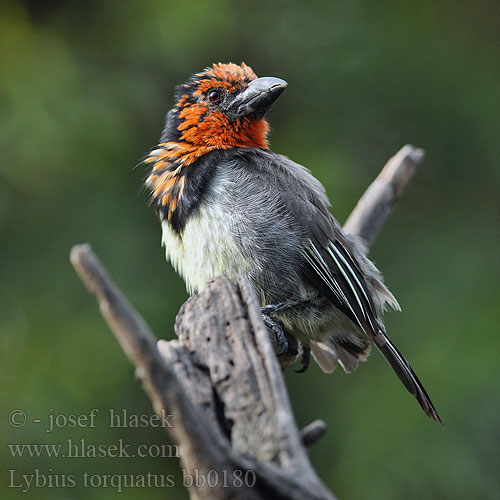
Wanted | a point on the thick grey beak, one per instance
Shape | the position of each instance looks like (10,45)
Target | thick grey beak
(258,97)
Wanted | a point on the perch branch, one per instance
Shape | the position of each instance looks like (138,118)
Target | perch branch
(206,447)
(222,372)
(374,207)
(313,432)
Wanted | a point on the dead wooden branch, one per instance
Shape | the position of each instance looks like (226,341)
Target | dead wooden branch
(373,208)
(221,380)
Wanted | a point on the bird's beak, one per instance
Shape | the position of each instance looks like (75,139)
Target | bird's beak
(258,97)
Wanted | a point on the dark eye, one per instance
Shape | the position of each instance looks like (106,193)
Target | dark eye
(214,95)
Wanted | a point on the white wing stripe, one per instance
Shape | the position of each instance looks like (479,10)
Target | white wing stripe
(352,272)
(332,278)
(321,274)
(326,275)
(348,281)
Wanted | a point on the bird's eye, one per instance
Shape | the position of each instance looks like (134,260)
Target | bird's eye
(214,95)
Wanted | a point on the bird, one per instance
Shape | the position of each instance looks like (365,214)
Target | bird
(228,205)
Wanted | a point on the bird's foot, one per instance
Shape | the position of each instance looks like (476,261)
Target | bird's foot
(305,359)
(271,309)
(276,326)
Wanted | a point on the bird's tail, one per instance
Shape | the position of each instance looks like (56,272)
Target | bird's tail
(406,374)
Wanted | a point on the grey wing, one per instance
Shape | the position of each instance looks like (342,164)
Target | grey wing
(330,265)
(332,268)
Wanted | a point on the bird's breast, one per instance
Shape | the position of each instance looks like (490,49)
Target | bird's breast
(241,225)
(206,247)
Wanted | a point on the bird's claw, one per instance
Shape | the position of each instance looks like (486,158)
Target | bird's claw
(276,326)
(305,359)
(270,310)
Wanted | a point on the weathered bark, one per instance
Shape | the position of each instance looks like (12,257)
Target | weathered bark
(221,379)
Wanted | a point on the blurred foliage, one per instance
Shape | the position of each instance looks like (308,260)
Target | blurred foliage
(84,89)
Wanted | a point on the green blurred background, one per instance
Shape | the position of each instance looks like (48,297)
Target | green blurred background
(84,89)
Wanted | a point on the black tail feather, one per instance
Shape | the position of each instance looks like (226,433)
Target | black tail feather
(406,374)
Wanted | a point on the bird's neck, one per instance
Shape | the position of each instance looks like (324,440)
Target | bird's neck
(187,138)
(182,161)
(220,133)
(176,187)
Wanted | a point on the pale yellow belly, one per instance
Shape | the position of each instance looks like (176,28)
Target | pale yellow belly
(206,249)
